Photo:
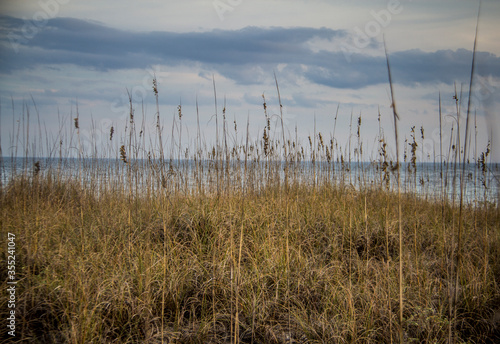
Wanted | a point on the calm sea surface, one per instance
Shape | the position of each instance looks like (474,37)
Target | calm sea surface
(428,180)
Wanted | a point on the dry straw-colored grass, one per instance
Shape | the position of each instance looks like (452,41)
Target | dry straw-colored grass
(313,266)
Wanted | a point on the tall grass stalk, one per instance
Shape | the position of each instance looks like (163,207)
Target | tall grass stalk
(216,150)
(401,255)
(463,175)
(283,144)
(441,177)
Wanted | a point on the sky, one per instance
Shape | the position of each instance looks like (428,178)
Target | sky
(60,56)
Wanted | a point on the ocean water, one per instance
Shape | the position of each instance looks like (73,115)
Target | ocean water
(429,180)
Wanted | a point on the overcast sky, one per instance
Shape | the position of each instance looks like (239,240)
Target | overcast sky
(56,53)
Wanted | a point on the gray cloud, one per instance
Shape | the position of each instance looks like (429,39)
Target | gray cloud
(247,56)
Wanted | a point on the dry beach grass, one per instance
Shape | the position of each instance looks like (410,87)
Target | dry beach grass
(313,265)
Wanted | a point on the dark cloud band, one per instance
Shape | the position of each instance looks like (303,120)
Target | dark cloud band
(243,55)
